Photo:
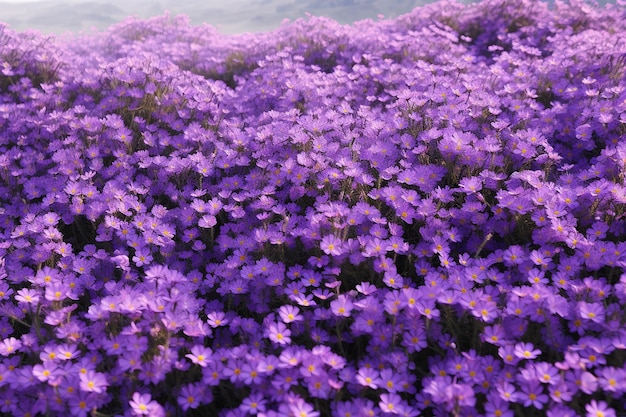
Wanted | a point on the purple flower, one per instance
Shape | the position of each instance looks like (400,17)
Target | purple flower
(560,392)
(587,382)
(612,379)
(48,372)
(10,346)
(289,313)
(591,311)
(599,409)
(368,377)
(81,403)
(546,373)
(495,406)
(532,394)
(143,405)
(526,351)
(342,306)
(471,185)
(390,403)
(331,245)
(191,395)
(301,408)
(93,381)
(200,355)
(253,404)
(279,333)
(27,295)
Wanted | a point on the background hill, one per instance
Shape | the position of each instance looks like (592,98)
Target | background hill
(234,16)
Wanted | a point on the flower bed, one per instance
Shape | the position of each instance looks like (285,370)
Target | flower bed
(417,216)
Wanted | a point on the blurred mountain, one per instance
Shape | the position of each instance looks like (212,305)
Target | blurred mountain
(232,16)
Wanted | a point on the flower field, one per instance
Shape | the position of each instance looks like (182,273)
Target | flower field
(419,216)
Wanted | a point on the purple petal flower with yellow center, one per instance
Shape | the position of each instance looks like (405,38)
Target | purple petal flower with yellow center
(217,319)
(81,403)
(532,395)
(249,374)
(200,355)
(494,335)
(585,381)
(27,295)
(253,404)
(470,185)
(207,221)
(304,300)
(427,308)
(591,311)
(391,403)
(612,379)
(599,409)
(279,333)
(191,395)
(66,352)
(374,247)
(300,408)
(212,373)
(546,373)
(508,392)
(560,392)
(331,245)
(368,377)
(47,372)
(142,257)
(507,353)
(393,279)
(526,351)
(143,405)
(495,406)
(9,346)
(56,291)
(289,313)
(319,386)
(366,288)
(93,381)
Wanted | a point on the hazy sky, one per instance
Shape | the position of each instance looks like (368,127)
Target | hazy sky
(230,16)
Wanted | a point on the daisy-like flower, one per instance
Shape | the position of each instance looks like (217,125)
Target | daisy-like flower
(591,311)
(526,351)
(495,406)
(200,355)
(331,245)
(47,372)
(66,352)
(368,377)
(390,403)
(342,306)
(92,381)
(289,313)
(27,295)
(546,373)
(532,394)
(253,404)
(143,405)
(599,409)
(9,346)
(300,408)
(279,333)
(471,185)
(612,379)
(217,319)
(191,395)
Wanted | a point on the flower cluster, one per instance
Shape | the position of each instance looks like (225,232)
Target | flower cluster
(423,215)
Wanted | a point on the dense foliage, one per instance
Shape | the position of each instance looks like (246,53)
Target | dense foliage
(417,216)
